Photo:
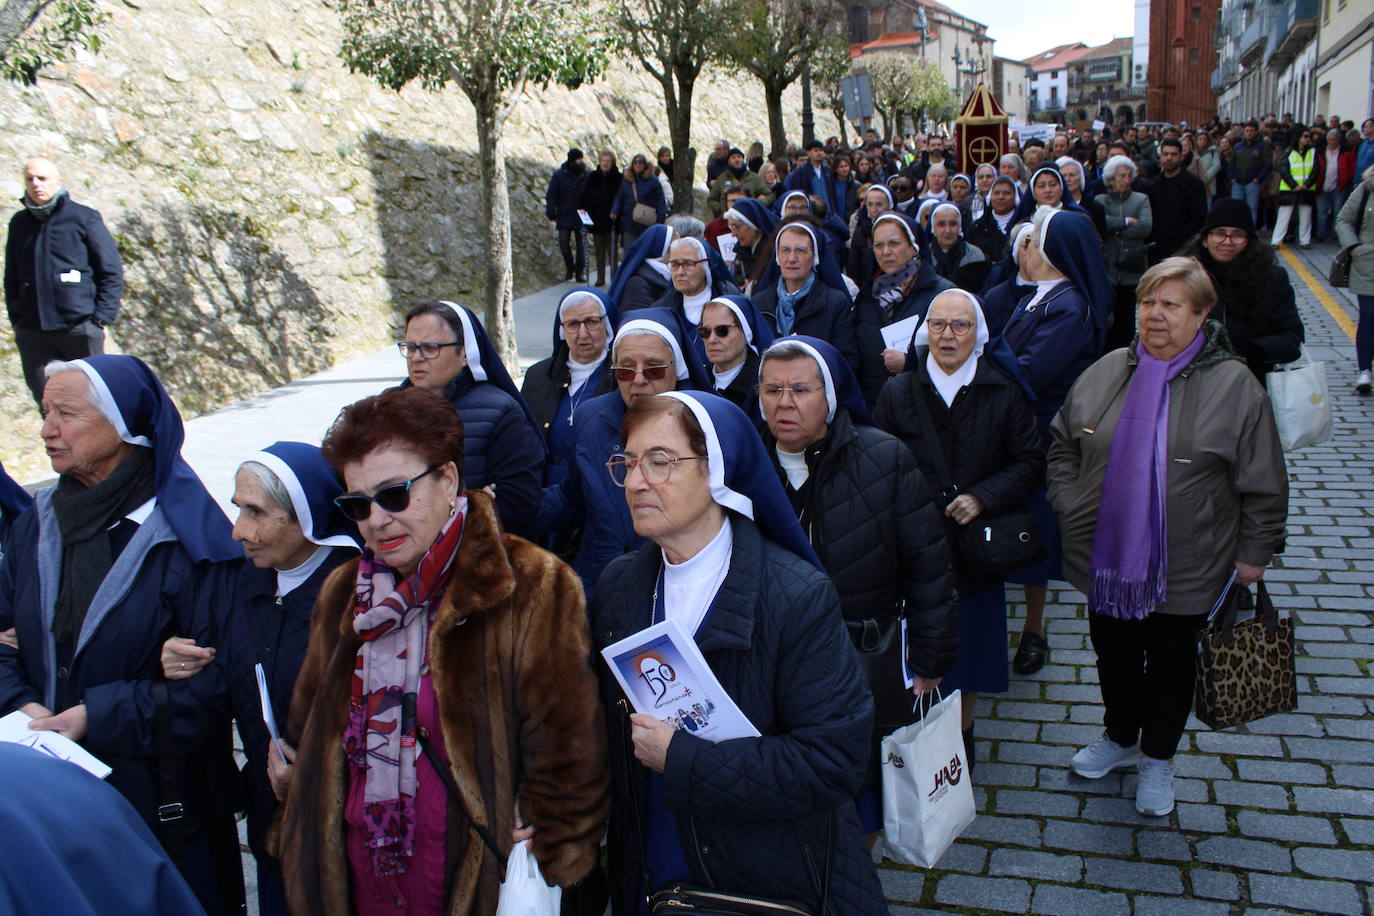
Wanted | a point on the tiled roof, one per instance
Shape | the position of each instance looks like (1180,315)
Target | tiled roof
(1058,56)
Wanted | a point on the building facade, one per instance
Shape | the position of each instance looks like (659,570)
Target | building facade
(1140,47)
(1102,86)
(1344,71)
(1182,59)
(1047,82)
(1008,86)
(1269,59)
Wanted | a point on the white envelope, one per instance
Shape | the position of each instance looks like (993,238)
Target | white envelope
(71,276)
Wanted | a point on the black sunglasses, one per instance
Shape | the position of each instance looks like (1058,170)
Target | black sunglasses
(720,330)
(395,498)
(651,373)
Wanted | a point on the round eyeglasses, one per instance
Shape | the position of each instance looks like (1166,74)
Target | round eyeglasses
(656,465)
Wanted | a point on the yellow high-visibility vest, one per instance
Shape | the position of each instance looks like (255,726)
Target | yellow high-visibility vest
(1300,167)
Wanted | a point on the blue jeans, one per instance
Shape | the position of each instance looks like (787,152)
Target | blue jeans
(1364,334)
(1250,193)
(1328,205)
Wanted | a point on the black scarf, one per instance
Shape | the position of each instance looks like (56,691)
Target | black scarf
(85,516)
(890,289)
(947,262)
(46,210)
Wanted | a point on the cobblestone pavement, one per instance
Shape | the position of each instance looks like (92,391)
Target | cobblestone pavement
(1276,817)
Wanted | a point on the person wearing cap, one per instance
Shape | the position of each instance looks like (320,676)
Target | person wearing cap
(579,370)
(982,422)
(814,176)
(752,225)
(1255,300)
(110,560)
(737,173)
(1129,221)
(562,202)
(734,334)
(803,291)
(651,354)
(870,518)
(770,816)
(293,537)
(447,352)
(955,259)
(905,285)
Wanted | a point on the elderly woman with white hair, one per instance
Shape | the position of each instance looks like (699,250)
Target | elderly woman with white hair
(1128,222)
(699,274)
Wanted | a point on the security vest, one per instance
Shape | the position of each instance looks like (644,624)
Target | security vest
(1300,166)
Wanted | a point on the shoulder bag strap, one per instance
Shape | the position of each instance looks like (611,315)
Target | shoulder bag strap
(170,812)
(1182,444)
(452,787)
(1359,214)
(937,451)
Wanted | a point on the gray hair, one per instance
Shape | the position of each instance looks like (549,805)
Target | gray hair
(58,366)
(1335,132)
(271,485)
(1115,164)
(788,349)
(938,168)
(686,226)
(641,332)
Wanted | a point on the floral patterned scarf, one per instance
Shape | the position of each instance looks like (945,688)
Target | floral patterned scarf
(393,619)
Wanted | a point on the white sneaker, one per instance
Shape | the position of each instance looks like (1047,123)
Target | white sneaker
(1362,384)
(1102,756)
(1154,793)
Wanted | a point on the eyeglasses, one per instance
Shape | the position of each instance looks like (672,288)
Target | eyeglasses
(801,251)
(591,324)
(427,350)
(959,326)
(774,392)
(628,373)
(395,498)
(684,265)
(1218,236)
(720,330)
(657,466)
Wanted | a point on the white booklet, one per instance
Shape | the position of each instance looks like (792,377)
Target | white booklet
(268,718)
(897,336)
(586,218)
(664,674)
(726,243)
(14,728)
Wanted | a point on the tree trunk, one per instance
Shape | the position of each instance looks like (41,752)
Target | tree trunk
(15,17)
(498,307)
(679,106)
(777,130)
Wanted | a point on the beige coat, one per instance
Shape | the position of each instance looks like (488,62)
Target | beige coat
(1227,485)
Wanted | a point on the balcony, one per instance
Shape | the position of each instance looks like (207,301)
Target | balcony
(1293,29)
(1251,45)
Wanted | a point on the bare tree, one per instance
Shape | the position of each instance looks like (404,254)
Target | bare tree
(491,50)
(34,33)
(673,40)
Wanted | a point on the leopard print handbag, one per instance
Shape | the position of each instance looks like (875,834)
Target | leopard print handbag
(1245,670)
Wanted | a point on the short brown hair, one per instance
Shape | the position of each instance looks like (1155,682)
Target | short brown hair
(1202,295)
(642,410)
(408,418)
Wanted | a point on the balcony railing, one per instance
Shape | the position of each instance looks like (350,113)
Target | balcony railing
(1251,44)
(1294,27)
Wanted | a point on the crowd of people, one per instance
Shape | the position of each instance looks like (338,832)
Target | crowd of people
(802,431)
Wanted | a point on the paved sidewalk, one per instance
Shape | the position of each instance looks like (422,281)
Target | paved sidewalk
(1277,817)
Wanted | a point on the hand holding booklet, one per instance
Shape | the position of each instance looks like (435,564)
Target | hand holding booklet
(897,336)
(665,675)
(14,728)
(268,718)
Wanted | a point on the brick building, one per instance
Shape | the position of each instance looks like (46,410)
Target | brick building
(1182,58)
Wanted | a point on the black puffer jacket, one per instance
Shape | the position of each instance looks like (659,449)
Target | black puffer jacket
(989,437)
(642,290)
(826,313)
(869,320)
(752,814)
(874,524)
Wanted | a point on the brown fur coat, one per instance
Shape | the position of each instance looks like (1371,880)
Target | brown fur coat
(510,660)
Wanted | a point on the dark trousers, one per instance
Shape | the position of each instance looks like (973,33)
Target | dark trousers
(1146,669)
(572,243)
(38,348)
(601,244)
(1364,334)
(1123,327)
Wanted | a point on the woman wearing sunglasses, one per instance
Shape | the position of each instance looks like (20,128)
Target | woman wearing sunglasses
(734,334)
(771,816)
(446,703)
(447,352)
(293,537)
(651,354)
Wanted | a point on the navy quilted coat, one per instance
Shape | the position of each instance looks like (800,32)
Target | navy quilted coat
(753,813)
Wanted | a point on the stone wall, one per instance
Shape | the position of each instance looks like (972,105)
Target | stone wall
(273,210)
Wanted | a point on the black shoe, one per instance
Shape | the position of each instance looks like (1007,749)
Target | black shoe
(1031,654)
(600,280)
(568,275)
(969,752)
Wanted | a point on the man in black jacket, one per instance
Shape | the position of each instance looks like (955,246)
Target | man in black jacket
(562,204)
(63,276)
(1178,194)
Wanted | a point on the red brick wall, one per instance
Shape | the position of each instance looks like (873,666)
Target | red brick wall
(1180,88)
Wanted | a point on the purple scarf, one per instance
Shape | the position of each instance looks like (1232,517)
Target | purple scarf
(1130,547)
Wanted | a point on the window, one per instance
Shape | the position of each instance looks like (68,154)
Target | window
(1192,55)
(1054,74)
(1197,14)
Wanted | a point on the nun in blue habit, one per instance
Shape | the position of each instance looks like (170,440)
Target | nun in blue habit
(752,225)
(447,351)
(109,862)
(292,538)
(643,276)
(116,556)
(577,371)
(835,230)
(651,354)
(1054,194)
(14,499)
(733,357)
(727,560)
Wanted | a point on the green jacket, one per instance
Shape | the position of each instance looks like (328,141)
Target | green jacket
(726,180)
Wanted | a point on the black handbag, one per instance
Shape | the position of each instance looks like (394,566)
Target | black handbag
(878,641)
(1131,256)
(990,547)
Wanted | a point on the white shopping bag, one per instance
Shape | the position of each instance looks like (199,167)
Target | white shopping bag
(927,789)
(1302,402)
(524,892)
